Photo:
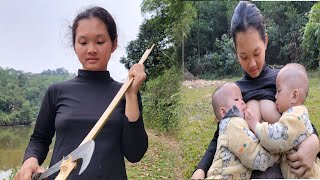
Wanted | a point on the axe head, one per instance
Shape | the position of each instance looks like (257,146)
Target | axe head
(83,152)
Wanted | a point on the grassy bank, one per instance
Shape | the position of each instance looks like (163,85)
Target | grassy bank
(162,160)
(198,124)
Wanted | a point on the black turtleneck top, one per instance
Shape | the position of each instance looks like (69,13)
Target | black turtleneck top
(70,109)
(261,87)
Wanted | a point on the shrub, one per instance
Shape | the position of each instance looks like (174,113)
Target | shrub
(220,64)
(161,101)
(311,39)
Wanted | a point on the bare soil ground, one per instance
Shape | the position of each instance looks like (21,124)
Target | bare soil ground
(201,83)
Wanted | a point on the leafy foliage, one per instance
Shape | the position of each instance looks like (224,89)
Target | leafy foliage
(311,38)
(21,93)
(212,21)
(221,63)
(284,23)
(168,24)
(151,31)
(161,101)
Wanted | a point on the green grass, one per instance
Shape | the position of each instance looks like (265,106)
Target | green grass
(198,124)
(161,161)
(312,102)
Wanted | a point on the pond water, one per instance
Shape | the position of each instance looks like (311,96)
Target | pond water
(13,142)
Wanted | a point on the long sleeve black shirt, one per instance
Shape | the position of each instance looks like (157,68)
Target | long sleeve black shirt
(70,109)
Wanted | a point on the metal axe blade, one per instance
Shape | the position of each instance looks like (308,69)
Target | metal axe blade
(83,152)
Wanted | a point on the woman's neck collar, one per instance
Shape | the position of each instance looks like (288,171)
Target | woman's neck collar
(94,75)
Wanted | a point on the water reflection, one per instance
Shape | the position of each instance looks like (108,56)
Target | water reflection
(13,142)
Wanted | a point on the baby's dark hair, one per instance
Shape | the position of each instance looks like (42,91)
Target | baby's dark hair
(96,12)
(247,15)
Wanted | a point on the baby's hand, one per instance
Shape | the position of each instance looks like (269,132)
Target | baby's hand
(251,119)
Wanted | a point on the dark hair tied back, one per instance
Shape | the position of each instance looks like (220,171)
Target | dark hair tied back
(100,13)
(247,15)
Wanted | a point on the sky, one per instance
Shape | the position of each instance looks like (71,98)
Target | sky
(35,34)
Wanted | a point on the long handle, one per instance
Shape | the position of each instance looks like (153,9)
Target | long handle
(103,119)
(64,172)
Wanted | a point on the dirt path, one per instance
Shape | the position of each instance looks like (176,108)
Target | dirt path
(161,161)
(202,83)
(172,145)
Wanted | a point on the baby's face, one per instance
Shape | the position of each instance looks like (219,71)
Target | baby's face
(235,98)
(283,95)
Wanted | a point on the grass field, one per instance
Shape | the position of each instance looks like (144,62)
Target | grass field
(161,160)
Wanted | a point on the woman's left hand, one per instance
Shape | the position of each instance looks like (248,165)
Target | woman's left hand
(302,160)
(137,73)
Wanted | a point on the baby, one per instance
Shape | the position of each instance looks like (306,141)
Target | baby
(238,149)
(294,124)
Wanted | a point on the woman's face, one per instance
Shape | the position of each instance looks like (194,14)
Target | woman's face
(93,45)
(251,51)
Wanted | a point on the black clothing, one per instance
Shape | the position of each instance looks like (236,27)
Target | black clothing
(70,109)
(273,172)
(262,87)
(207,159)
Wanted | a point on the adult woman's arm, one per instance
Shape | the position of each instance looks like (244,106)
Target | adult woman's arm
(302,160)
(41,138)
(134,138)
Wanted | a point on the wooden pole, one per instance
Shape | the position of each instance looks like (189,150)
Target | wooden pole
(68,166)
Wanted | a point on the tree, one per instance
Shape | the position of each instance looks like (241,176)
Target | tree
(167,26)
(21,93)
(311,38)
(212,21)
(284,21)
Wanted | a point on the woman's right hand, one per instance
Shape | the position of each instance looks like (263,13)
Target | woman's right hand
(29,167)
(198,174)
(302,160)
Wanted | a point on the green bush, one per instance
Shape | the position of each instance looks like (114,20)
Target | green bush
(161,100)
(220,64)
(311,39)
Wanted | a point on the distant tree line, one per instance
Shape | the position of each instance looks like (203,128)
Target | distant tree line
(195,36)
(21,93)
